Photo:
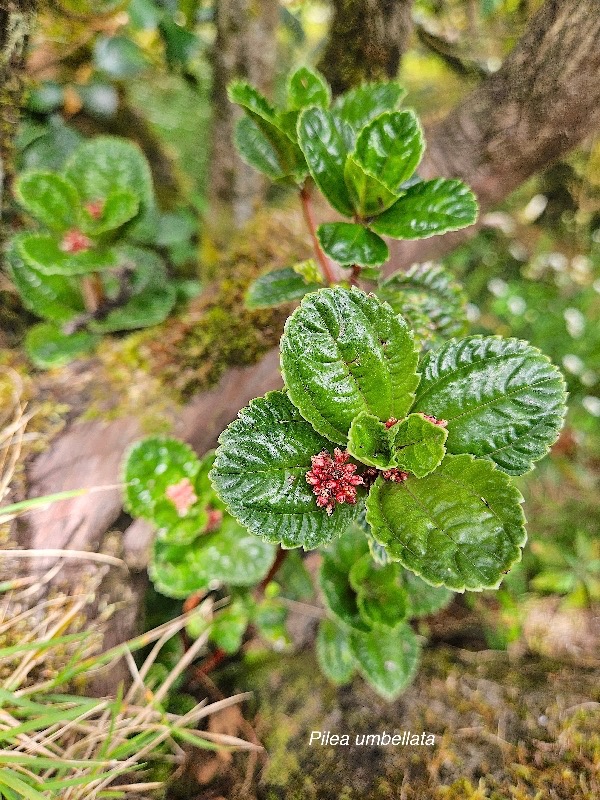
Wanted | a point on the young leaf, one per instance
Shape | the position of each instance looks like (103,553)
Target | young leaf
(279,286)
(502,398)
(44,254)
(349,243)
(381,598)
(229,625)
(390,148)
(461,526)
(48,347)
(427,209)
(265,118)
(430,290)
(333,652)
(362,104)
(120,206)
(258,151)
(388,663)
(49,198)
(418,445)
(260,474)
(343,352)
(307,88)
(370,441)
(368,195)
(230,555)
(325,152)
(52,297)
(105,164)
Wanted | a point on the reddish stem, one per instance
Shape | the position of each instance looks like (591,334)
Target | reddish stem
(310,224)
(279,559)
(211,662)
(354,275)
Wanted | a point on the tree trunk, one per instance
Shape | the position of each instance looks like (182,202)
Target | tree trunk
(245,47)
(542,102)
(16,19)
(367,39)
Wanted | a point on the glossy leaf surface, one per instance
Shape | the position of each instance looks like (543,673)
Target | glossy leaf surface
(349,243)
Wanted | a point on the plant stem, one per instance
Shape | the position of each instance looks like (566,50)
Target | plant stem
(310,224)
(354,275)
(279,559)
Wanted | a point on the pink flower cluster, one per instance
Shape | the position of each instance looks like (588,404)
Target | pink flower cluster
(394,475)
(95,208)
(182,495)
(74,241)
(333,479)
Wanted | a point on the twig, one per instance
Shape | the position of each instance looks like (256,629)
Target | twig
(310,224)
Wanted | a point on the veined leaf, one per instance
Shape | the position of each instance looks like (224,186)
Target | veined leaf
(47,346)
(359,106)
(390,148)
(381,598)
(325,152)
(502,399)
(349,243)
(49,198)
(461,526)
(427,209)
(369,196)
(307,88)
(279,286)
(431,291)
(388,663)
(343,352)
(333,652)
(371,442)
(260,474)
(424,599)
(257,150)
(120,207)
(418,445)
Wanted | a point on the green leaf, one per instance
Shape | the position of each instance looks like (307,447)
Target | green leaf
(119,56)
(418,445)
(44,254)
(49,198)
(333,652)
(349,244)
(307,88)
(427,209)
(52,297)
(230,555)
(270,617)
(362,104)
(461,526)
(388,663)
(105,164)
(390,148)
(265,118)
(429,290)
(502,399)
(48,347)
(256,150)
(371,442)
(368,195)
(120,207)
(380,596)
(325,152)
(229,626)
(293,578)
(424,599)
(260,474)
(343,352)
(279,286)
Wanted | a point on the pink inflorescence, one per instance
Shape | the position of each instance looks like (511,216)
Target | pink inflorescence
(333,479)
(182,496)
(95,208)
(74,241)
(441,422)
(395,475)
(391,422)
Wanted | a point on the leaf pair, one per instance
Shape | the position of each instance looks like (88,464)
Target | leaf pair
(350,365)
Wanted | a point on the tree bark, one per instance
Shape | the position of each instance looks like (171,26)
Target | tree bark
(16,19)
(245,47)
(366,41)
(542,102)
